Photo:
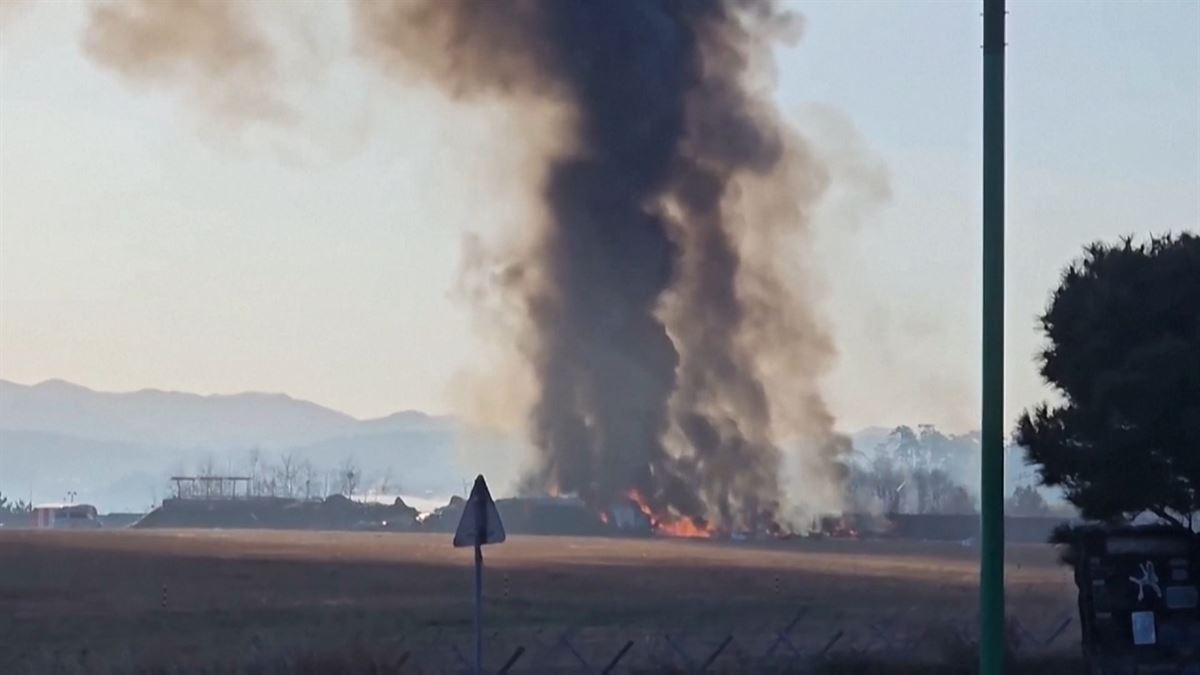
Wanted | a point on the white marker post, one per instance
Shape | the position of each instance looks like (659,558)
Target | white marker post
(480,525)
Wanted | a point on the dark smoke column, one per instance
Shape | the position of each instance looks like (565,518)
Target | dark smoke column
(641,335)
(605,363)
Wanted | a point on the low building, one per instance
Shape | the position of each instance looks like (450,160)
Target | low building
(65,516)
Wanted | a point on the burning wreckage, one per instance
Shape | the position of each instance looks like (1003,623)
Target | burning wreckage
(522,515)
(663,314)
(562,515)
(570,515)
(665,306)
(558,515)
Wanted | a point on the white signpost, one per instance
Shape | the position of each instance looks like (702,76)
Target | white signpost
(480,525)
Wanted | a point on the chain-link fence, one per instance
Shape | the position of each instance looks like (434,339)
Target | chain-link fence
(792,645)
(805,642)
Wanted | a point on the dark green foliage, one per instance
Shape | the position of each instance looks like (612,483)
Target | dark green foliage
(16,508)
(1026,501)
(1124,353)
(917,471)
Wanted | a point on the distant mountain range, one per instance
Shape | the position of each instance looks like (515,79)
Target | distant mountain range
(116,450)
(184,420)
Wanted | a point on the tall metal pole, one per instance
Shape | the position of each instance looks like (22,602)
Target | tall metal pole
(991,562)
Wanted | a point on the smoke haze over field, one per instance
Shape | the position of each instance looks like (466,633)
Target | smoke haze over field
(667,349)
(670,333)
(215,267)
(669,352)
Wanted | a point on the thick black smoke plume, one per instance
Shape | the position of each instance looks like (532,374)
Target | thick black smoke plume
(660,329)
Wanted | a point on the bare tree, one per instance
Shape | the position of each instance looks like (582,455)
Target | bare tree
(308,476)
(1026,501)
(384,487)
(253,464)
(207,468)
(171,487)
(286,474)
(879,486)
(267,482)
(348,476)
(938,493)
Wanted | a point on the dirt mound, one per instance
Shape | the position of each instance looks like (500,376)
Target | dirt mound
(333,513)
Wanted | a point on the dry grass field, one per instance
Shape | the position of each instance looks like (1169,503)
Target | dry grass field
(93,601)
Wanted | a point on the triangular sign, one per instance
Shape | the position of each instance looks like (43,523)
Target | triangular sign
(480,523)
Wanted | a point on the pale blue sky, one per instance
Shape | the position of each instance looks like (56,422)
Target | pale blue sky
(146,243)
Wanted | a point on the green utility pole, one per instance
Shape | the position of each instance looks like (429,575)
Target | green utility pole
(991,554)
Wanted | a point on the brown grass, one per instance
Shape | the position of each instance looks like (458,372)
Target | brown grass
(276,602)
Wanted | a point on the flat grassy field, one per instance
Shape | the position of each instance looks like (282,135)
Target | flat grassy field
(94,601)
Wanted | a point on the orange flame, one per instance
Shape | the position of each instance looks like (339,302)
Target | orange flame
(669,525)
(684,527)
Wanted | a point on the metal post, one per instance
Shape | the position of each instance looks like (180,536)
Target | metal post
(991,561)
(478,609)
(480,537)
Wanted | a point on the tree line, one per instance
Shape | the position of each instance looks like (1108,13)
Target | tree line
(292,476)
(926,471)
(1122,442)
(14,511)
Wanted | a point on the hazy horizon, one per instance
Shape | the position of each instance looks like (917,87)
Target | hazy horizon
(148,242)
(240,392)
(115,449)
(384,416)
